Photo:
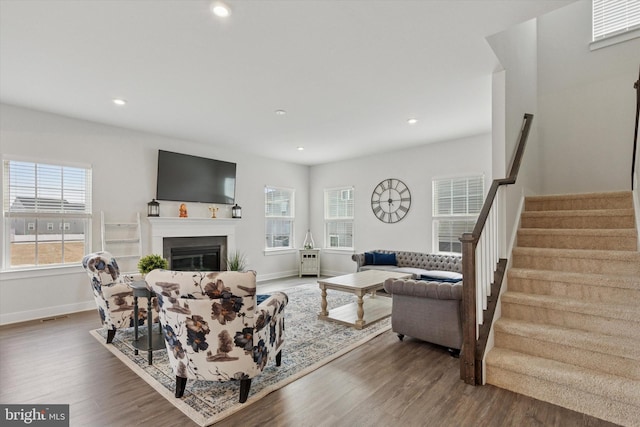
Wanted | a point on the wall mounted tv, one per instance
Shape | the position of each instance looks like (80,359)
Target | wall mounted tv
(185,178)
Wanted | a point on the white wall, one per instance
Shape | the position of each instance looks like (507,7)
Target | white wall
(586,103)
(516,49)
(416,168)
(124,179)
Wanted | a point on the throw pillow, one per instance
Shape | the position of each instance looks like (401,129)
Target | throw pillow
(261,298)
(441,276)
(384,259)
(368,258)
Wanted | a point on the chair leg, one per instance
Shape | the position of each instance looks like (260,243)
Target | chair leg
(111,333)
(181,383)
(279,358)
(245,385)
(400,336)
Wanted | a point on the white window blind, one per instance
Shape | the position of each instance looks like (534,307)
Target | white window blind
(456,205)
(339,217)
(279,217)
(612,17)
(47,212)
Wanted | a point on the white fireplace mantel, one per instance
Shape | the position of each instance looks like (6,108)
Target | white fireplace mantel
(162,227)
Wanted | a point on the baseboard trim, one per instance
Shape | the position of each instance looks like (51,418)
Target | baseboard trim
(45,313)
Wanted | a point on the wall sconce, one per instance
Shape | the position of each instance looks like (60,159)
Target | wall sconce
(236,211)
(153,208)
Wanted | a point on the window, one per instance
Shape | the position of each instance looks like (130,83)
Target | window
(338,218)
(35,197)
(279,217)
(456,205)
(616,18)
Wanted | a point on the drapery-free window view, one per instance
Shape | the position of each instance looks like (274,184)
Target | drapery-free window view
(46,213)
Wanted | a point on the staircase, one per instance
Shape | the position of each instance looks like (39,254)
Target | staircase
(569,333)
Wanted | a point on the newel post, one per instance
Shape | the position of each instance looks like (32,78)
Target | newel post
(467,354)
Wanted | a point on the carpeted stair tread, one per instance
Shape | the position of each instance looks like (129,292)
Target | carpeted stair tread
(605,386)
(616,200)
(581,238)
(587,279)
(598,218)
(578,260)
(579,339)
(597,288)
(629,313)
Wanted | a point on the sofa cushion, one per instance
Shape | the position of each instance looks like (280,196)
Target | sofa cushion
(384,259)
(416,273)
(441,276)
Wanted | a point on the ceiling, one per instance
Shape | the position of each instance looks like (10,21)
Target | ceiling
(348,73)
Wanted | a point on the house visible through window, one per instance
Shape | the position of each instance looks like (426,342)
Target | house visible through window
(338,217)
(46,214)
(279,217)
(615,17)
(456,205)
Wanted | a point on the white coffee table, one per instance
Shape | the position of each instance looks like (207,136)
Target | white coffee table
(359,284)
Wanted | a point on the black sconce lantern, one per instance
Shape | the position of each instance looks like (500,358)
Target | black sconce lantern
(153,208)
(236,211)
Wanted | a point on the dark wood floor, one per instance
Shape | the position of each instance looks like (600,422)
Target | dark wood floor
(382,383)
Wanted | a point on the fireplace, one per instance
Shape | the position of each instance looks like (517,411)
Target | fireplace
(202,253)
(201,243)
(199,258)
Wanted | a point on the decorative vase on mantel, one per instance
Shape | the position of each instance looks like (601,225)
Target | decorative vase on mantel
(308,241)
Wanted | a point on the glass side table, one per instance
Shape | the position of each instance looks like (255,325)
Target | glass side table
(154,340)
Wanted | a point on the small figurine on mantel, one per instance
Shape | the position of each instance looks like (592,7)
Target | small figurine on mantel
(183,211)
(213,210)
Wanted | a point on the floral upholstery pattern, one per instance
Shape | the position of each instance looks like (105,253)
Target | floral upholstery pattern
(213,328)
(112,293)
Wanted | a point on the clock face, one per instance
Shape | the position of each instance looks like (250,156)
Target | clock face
(391,200)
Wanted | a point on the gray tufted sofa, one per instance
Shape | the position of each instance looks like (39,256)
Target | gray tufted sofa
(416,263)
(424,309)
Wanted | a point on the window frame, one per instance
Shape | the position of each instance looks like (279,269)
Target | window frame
(290,218)
(73,204)
(601,17)
(469,217)
(329,219)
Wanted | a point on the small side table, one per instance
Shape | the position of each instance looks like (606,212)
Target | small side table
(309,262)
(154,341)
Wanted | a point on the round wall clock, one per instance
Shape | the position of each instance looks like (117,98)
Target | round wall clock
(391,200)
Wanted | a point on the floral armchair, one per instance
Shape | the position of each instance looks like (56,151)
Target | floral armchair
(112,293)
(213,328)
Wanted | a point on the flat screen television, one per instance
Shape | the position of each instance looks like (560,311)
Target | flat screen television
(186,178)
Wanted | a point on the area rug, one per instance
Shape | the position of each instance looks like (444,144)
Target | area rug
(309,344)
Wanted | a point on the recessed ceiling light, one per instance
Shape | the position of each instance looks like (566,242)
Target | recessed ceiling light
(119,101)
(300,148)
(412,121)
(220,9)
(280,112)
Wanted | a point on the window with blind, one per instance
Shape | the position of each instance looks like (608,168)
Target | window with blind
(615,17)
(456,205)
(46,214)
(279,217)
(338,218)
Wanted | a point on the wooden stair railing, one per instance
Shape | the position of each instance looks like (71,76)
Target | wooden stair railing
(482,271)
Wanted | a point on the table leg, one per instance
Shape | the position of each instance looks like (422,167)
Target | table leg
(150,331)
(360,321)
(323,303)
(135,322)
